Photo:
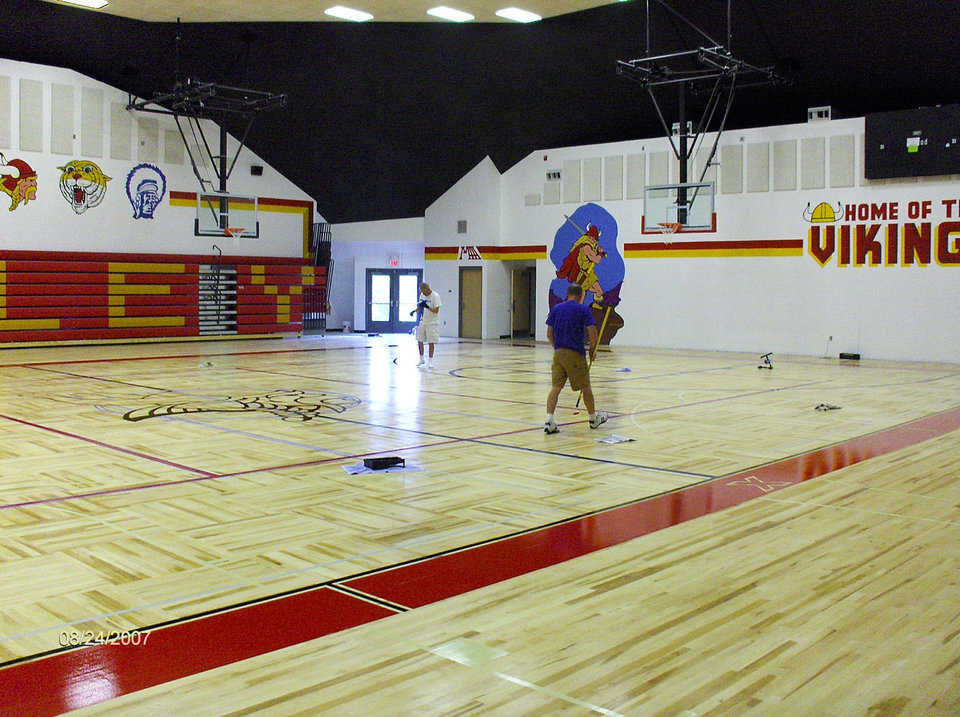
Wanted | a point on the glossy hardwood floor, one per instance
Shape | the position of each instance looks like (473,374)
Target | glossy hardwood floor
(146,483)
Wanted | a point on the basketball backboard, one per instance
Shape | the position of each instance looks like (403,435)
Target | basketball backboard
(217,213)
(689,204)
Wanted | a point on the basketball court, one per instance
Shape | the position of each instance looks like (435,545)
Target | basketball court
(741,550)
(203,526)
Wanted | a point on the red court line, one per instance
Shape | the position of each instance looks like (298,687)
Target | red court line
(427,581)
(87,676)
(91,675)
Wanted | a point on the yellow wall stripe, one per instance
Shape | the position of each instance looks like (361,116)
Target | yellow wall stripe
(145,268)
(115,301)
(138,321)
(117,311)
(704,253)
(283,299)
(153,289)
(26,324)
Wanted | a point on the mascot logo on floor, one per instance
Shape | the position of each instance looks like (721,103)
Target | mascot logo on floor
(585,252)
(287,404)
(83,184)
(146,187)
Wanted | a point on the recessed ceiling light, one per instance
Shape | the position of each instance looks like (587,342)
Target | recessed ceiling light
(518,15)
(448,13)
(348,13)
(94,4)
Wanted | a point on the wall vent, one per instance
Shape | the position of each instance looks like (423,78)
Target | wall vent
(553,175)
(462,226)
(817,114)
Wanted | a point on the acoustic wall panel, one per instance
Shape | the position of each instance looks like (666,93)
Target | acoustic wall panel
(592,178)
(842,153)
(758,167)
(703,153)
(659,170)
(173,151)
(636,175)
(812,163)
(731,169)
(551,192)
(61,119)
(613,177)
(785,165)
(31,115)
(6,116)
(121,129)
(531,200)
(91,122)
(571,180)
(148,140)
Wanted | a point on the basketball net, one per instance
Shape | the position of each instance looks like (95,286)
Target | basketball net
(234,232)
(668,229)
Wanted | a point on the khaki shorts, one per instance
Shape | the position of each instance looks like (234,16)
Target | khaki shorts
(428,334)
(572,365)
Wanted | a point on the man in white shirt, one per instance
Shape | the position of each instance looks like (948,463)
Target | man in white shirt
(428,330)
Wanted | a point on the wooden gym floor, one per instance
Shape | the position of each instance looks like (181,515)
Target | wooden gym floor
(744,554)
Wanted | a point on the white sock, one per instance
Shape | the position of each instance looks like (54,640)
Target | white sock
(549,418)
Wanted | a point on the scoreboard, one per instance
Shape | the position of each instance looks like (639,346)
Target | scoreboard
(913,143)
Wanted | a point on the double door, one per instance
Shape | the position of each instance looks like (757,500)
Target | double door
(391,295)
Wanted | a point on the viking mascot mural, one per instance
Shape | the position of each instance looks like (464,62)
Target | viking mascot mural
(585,252)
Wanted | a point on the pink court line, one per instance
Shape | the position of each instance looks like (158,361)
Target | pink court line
(361,383)
(191,356)
(94,674)
(202,478)
(109,446)
(210,476)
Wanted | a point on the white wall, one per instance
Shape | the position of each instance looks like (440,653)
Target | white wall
(358,246)
(444,278)
(784,304)
(475,199)
(50,224)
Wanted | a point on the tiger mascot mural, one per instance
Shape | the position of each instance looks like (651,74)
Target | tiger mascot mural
(83,184)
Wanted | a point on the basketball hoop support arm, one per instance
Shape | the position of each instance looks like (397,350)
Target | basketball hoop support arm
(195,100)
(708,62)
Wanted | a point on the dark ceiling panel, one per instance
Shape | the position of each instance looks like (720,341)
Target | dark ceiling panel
(382,118)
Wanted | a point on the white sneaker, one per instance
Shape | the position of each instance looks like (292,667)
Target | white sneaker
(550,427)
(599,417)
(421,362)
(430,363)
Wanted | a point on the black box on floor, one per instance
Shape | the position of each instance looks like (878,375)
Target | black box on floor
(851,357)
(378,464)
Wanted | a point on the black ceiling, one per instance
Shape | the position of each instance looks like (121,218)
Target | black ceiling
(382,118)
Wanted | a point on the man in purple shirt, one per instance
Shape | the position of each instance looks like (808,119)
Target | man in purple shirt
(566,326)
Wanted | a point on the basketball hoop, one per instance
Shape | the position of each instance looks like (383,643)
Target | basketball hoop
(234,232)
(668,229)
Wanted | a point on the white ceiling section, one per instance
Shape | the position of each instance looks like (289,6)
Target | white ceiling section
(313,10)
